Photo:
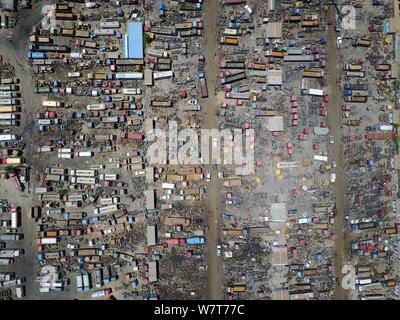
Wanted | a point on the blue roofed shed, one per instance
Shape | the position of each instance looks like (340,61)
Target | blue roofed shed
(133,42)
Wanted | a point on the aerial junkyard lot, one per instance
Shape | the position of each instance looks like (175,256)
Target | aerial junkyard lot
(87,214)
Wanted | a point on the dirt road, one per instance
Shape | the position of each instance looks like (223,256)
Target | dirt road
(336,154)
(209,105)
(13,49)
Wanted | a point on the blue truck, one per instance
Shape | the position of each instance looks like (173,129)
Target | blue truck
(349,86)
(195,240)
(353,174)
(36,55)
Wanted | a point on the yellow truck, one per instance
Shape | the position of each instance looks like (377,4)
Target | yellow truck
(194,176)
(192,191)
(232,183)
(97,76)
(87,252)
(229,41)
(174,178)
(233,232)
(313,74)
(275,54)
(236,288)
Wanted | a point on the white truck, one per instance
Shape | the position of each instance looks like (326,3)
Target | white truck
(6,261)
(10,253)
(83,173)
(108,201)
(110,177)
(106,209)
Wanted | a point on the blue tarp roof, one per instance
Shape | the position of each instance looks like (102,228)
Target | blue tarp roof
(195,240)
(133,47)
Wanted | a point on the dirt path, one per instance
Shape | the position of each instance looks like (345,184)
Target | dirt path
(13,49)
(209,105)
(336,154)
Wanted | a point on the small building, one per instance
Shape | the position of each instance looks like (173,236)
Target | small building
(132,42)
(8,5)
(150,174)
(150,199)
(148,77)
(153,271)
(151,235)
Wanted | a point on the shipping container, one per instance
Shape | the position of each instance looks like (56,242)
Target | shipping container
(158,103)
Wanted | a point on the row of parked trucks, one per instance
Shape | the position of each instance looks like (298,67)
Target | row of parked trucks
(9,105)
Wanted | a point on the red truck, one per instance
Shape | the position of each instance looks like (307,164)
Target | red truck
(16,182)
(203,86)
(175,241)
(135,136)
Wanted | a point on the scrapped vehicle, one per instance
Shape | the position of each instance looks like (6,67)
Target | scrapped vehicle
(219,249)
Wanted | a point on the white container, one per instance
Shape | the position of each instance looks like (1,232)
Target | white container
(168,186)
(74,74)
(14,220)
